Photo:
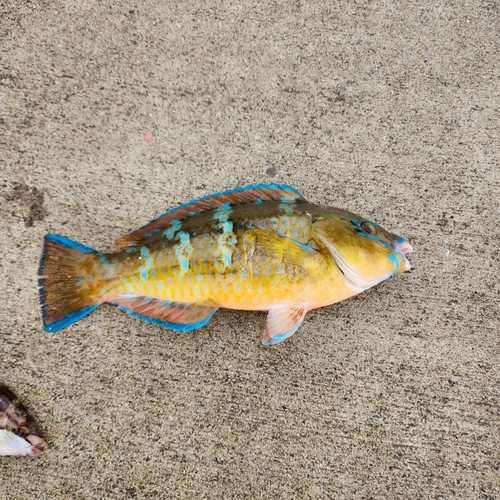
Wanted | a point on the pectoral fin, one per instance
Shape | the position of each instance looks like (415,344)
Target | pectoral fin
(283,322)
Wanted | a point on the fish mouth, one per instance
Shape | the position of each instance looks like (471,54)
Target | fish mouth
(403,247)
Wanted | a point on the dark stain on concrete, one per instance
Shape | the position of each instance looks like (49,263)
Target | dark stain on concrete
(33,200)
(271,172)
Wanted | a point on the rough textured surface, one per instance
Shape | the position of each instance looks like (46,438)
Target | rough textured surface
(389,109)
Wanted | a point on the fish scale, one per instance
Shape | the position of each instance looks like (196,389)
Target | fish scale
(258,248)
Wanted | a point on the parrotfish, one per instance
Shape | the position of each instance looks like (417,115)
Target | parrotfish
(260,247)
(18,435)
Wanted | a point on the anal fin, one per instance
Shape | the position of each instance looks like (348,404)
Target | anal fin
(179,317)
(283,322)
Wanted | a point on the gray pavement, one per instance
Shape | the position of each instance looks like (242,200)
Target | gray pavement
(388,109)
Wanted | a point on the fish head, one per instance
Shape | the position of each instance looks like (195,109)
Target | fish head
(365,252)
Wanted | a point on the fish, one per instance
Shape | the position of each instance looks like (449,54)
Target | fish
(261,247)
(18,434)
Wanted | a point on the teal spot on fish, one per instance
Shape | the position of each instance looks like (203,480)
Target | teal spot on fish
(227,226)
(196,291)
(180,251)
(103,291)
(226,256)
(222,212)
(144,252)
(130,249)
(183,237)
(160,284)
(205,288)
(176,224)
(115,261)
(103,258)
(200,278)
(169,233)
(184,264)
(285,207)
(244,274)
(144,274)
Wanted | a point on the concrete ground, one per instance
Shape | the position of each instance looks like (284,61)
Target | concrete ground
(113,112)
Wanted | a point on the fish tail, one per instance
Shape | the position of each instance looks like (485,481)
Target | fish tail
(62,269)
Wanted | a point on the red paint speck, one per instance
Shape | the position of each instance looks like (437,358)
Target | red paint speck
(148,136)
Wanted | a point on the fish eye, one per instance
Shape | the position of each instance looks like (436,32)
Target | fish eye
(368,228)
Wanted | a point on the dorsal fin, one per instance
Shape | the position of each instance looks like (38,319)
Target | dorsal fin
(248,194)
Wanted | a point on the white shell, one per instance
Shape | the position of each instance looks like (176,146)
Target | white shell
(12,444)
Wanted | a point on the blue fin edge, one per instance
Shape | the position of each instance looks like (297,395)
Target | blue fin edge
(178,327)
(69,319)
(68,243)
(282,336)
